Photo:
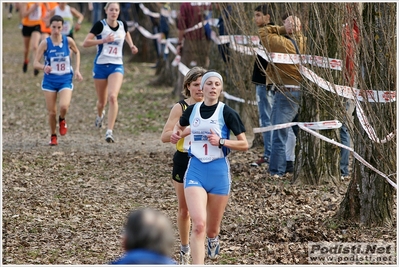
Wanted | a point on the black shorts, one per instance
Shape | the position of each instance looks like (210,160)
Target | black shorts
(27,30)
(180,162)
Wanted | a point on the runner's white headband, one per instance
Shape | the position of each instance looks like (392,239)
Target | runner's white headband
(208,75)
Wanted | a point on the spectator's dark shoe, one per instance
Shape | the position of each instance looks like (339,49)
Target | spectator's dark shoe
(260,161)
(290,167)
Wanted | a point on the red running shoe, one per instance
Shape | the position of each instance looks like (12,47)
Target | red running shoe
(53,140)
(63,127)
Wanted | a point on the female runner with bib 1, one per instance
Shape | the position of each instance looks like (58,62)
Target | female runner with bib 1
(207,180)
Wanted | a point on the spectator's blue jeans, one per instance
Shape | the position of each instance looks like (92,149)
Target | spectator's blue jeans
(290,145)
(265,100)
(284,110)
(97,12)
(125,11)
(345,140)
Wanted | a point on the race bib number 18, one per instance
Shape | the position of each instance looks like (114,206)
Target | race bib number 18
(60,65)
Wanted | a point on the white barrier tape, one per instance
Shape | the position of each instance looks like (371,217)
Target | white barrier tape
(353,93)
(345,91)
(146,33)
(149,35)
(214,37)
(282,58)
(349,92)
(183,68)
(170,47)
(176,62)
(237,99)
(148,12)
(357,156)
(254,40)
(369,129)
(239,39)
(170,14)
(318,125)
(199,25)
(322,125)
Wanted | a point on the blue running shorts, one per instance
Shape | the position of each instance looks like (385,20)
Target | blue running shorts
(56,87)
(213,176)
(102,71)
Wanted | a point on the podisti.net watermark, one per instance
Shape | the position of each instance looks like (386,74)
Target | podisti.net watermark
(342,252)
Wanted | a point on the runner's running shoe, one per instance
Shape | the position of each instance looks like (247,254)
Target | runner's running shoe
(213,249)
(184,258)
(53,140)
(25,67)
(63,127)
(99,120)
(109,138)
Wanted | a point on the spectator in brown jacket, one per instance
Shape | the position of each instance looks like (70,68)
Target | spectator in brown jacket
(286,79)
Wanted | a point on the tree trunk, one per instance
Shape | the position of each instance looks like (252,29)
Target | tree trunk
(146,47)
(317,161)
(165,73)
(370,198)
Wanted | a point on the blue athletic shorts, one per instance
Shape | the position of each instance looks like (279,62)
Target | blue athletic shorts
(56,87)
(102,71)
(213,176)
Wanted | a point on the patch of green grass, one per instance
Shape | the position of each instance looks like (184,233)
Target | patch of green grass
(103,178)
(226,259)
(332,224)
(69,167)
(33,230)
(33,253)
(54,256)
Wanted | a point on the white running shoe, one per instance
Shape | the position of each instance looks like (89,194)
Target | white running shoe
(99,120)
(184,258)
(213,249)
(109,138)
